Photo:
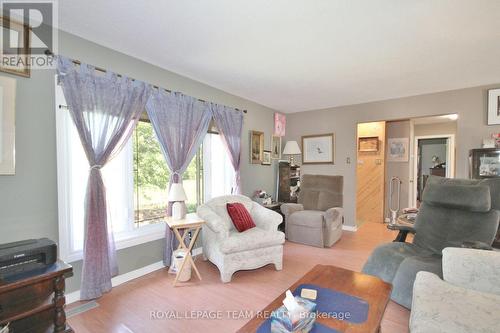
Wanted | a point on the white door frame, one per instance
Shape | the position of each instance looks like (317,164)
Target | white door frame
(450,161)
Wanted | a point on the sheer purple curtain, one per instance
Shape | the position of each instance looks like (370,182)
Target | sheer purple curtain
(105,109)
(180,123)
(230,123)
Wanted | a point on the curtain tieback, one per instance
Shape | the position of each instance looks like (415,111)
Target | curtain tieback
(95,166)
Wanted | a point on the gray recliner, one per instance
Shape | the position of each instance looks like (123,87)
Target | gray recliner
(318,216)
(453,212)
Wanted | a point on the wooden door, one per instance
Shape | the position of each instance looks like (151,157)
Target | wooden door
(370,174)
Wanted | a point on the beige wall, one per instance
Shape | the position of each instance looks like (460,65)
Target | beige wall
(28,200)
(470,104)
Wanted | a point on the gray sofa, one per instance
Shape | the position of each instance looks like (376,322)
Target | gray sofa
(452,212)
(318,216)
(467,300)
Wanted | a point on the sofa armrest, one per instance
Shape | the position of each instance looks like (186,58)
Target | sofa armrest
(472,269)
(289,208)
(213,221)
(334,215)
(265,218)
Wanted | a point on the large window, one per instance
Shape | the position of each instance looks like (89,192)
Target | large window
(136,184)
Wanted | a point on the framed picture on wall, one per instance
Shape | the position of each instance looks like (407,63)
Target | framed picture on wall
(266,157)
(275,147)
(368,144)
(17,54)
(256,147)
(7,125)
(397,149)
(318,149)
(279,124)
(494,107)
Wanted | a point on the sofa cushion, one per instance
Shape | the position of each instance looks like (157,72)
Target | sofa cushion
(439,307)
(240,216)
(308,218)
(250,239)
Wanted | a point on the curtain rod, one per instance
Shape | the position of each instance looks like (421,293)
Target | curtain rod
(78,62)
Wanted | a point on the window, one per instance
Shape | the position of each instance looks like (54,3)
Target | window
(136,183)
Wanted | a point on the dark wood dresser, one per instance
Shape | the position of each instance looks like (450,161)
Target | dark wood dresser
(34,301)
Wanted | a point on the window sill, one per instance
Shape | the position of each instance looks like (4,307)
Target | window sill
(127,239)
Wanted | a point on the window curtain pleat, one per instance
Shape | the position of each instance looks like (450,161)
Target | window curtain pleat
(180,123)
(230,124)
(105,110)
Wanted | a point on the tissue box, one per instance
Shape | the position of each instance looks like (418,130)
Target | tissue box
(282,323)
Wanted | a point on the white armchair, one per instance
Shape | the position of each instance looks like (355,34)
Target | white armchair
(231,250)
(467,301)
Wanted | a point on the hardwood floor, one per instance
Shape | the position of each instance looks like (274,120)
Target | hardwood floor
(146,304)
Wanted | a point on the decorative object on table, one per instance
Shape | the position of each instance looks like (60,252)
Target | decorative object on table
(489,143)
(178,197)
(266,157)
(297,314)
(398,149)
(496,137)
(435,161)
(232,251)
(494,107)
(318,149)
(16,52)
(368,144)
(256,147)
(288,182)
(318,216)
(275,147)
(291,149)
(7,125)
(484,163)
(262,197)
(279,124)
(191,223)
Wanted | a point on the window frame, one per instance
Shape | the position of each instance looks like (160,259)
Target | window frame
(124,239)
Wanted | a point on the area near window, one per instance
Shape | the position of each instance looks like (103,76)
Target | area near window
(136,184)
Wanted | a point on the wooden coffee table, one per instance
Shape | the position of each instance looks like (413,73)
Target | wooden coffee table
(373,290)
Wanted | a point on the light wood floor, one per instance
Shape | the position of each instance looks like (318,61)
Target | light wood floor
(127,308)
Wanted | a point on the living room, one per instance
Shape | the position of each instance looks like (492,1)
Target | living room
(262,110)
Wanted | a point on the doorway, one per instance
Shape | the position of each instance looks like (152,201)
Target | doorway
(435,156)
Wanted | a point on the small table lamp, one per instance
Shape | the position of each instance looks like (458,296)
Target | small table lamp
(291,148)
(177,196)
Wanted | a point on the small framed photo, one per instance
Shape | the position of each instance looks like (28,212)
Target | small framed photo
(368,144)
(398,149)
(494,107)
(256,147)
(266,157)
(318,149)
(275,147)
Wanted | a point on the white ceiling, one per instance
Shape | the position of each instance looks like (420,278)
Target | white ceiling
(295,55)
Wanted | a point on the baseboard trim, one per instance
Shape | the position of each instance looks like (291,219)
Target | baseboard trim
(349,228)
(125,277)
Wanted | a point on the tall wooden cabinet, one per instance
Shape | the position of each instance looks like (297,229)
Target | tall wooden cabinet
(288,182)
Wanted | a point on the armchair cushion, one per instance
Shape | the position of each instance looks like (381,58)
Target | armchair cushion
(462,197)
(251,239)
(307,218)
(472,269)
(240,216)
(440,307)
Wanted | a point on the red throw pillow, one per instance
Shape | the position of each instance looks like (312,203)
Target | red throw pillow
(240,216)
